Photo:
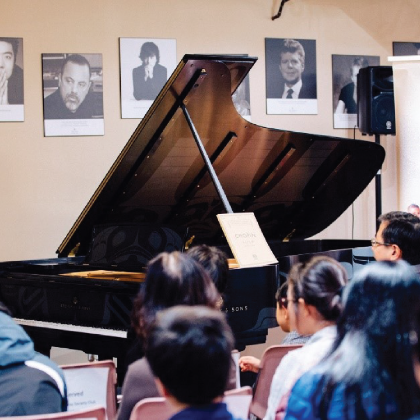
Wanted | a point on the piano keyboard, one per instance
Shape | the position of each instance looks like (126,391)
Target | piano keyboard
(74,328)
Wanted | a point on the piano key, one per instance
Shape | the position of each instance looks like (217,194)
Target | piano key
(74,328)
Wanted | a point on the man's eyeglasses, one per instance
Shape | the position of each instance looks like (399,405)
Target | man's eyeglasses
(374,242)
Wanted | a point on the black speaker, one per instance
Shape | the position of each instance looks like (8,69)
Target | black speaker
(375,100)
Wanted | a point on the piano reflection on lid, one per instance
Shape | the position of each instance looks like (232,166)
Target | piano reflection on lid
(161,191)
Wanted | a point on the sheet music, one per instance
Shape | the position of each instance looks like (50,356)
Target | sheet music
(246,239)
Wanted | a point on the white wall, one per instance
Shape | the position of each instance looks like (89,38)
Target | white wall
(46,181)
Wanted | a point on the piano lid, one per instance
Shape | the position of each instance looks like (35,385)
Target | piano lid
(296,184)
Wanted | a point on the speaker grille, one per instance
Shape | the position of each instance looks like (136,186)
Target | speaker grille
(383,113)
(375,100)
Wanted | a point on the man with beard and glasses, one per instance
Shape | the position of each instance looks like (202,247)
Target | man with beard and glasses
(73,98)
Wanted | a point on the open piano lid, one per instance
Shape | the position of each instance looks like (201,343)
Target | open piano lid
(296,184)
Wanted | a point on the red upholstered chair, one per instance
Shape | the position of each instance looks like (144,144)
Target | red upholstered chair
(269,362)
(97,413)
(92,383)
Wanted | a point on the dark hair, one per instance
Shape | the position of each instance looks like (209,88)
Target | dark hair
(14,42)
(372,352)
(149,49)
(76,59)
(189,350)
(281,295)
(214,260)
(397,215)
(360,62)
(293,46)
(319,283)
(404,232)
(172,279)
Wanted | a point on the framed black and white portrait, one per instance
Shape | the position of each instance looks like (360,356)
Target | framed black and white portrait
(73,94)
(291,76)
(11,79)
(406,48)
(146,65)
(345,69)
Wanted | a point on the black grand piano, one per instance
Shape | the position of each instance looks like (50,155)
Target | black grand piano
(191,157)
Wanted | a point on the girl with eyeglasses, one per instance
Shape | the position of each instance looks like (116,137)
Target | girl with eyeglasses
(314,305)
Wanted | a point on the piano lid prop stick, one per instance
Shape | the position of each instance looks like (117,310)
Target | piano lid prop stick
(206,158)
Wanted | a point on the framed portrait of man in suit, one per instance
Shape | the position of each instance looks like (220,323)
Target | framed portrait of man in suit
(291,86)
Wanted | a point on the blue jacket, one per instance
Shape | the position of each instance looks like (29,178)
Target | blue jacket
(305,400)
(30,383)
(209,412)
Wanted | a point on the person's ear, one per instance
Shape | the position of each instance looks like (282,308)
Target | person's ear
(285,314)
(396,253)
(304,305)
(161,388)
(59,80)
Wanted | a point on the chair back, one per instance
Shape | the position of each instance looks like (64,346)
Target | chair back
(92,383)
(235,357)
(269,362)
(95,412)
(156,408)
(238,401)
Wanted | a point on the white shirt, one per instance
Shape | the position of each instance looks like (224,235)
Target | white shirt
(296,90)
(295,364)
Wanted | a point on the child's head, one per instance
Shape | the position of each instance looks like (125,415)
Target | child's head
(172,279)
(214,260)
(313,295)
(189,351)
(282,314)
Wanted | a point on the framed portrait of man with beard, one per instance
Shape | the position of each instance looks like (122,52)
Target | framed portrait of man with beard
(73,94)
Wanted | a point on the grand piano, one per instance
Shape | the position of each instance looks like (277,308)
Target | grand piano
(191,157)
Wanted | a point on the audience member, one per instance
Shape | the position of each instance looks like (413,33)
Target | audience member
(30,383)
(414,209)
(314,303)
(251,363)
(369,373)
(415,343)
(172,279)
(398,237)
(214,260)
(189,351)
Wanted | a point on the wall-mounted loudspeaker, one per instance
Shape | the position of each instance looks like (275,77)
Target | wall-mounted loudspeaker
(375,100)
